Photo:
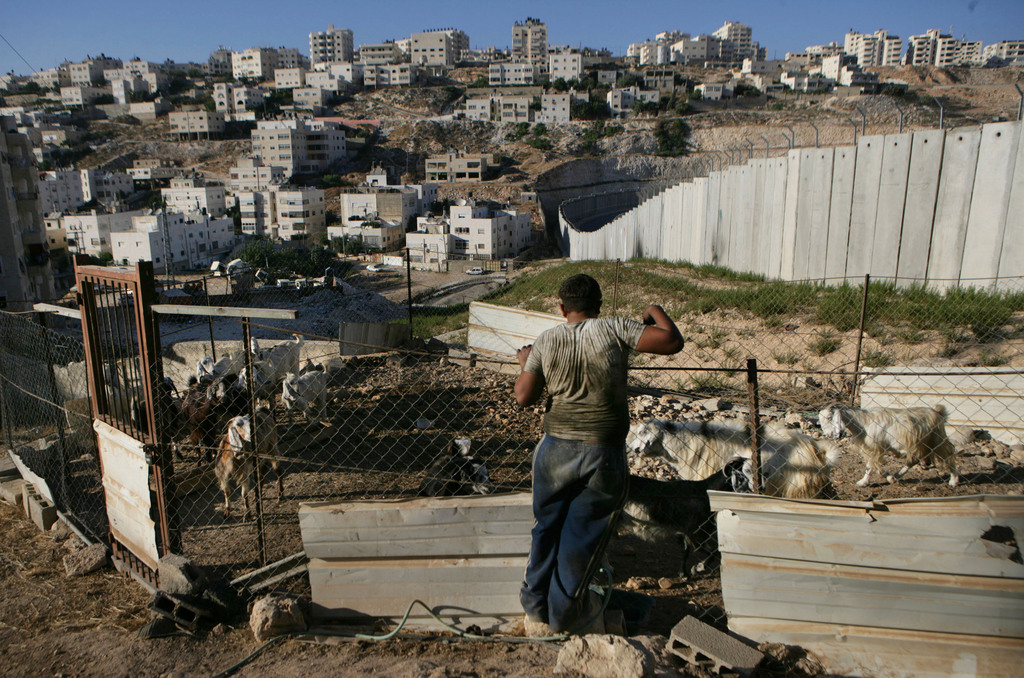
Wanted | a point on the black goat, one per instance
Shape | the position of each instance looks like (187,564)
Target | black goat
(207,405)
(657,509)
(456,472)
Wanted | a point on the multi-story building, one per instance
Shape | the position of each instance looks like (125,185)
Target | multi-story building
(289,78)
(90,233)
(515,109)
(173,241)
(250,174)
(191,194)
(620,100)
(90,71)
(736,37)
(219,62)
(257,211)
(81,95)
(380,54)
(439,47)
(106,188)
(554,108)
(566,64)
(390,75)
(877,49)
(60,191)
(290,57)
(330,46)
(301,212)
(373,232)
(457,167)
(335,77)
(53,78)
(801,81)
(513,72)
(394,204)
(530,40)
(152,170)
(1005,51)
(198,123)
(232,100)
(479,108)
(300,146)
(937,49)
(471,231)
(255,63)
(310,98)
(25,271)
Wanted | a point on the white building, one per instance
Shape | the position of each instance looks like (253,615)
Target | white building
(515,109)
(191,194)
(90,71)
(255,63)
(199,123)
(90,233)
(389,75)
(554,108)
(380,54)
(438,47)
(472,230)
(714,91)
(335,77)
(60,191)
(513,72)
(937,49)
(877,49)
(620,100)
(184,241)
(105,187)
(289,78)
(1006,51)
(372,233)
(736,40)
(310,98)
(332,45)
(301,212)
(300,146)
(81,95)
(234,100)
(530,40)
(566,64)
(479,108)
(250,174)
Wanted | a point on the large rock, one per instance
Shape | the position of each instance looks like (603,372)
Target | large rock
(276,615)
(605,656)
(84,561)
(179,576)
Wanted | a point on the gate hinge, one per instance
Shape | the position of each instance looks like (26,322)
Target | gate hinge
(151,452)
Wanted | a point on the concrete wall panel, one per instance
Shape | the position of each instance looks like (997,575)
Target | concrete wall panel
(780,168)
(892,196)
(816,222)
(790,215)
(953,205)
(844,167)
(756,222)
(919,210)
(864,206)
(711,220)
(1011,261)
(992,181)
(763,218)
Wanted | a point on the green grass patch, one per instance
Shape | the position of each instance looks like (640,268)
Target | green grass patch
(826,342)
(876,358)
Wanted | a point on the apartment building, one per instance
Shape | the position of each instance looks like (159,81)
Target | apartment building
(335,77)
(257,209)
(394,204)
(90,71)
(380,54)
(738,38)
(426,192)
(53,78)
(105,187)
(219,62)
(513,72)
(515,109)
(877,49)
(620,100)
(300,146)
(152,170)
(192,194)
(457,167)
(530,40)
(232,100)
(390,75)
(25,271)
(1006,51)
(81,95)
(196,124)
(472,230)
(310,98)
(650,52)
(374,233)
(250,174)
(301,212)
(566,64)
(330,46)
(90,233)
(255,63)
(714,91)
(478,108)
(937,49)
(554,108)
(801,81)
(60,191)
(289,78)
(440,47)
(173,241)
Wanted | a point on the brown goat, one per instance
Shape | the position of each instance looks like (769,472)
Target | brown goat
(235,458)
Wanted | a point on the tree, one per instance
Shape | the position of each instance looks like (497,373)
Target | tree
(671,136)
(627,80)
(560,85)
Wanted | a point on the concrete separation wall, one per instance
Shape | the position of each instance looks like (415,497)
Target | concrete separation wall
(942,208)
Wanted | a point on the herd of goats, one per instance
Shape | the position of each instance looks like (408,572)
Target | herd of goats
(220,422)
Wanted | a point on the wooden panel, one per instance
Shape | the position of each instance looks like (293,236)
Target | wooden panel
(825,592)
(361,338)
(126,485)
(373,558)
(889,653)
(226,311)
(475,586)
(499,329)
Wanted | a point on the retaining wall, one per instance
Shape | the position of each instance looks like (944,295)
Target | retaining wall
(942,208)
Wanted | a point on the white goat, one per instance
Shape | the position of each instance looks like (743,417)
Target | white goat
(208,370)
(916,434)
(236,458)
(793,465)
(307,392)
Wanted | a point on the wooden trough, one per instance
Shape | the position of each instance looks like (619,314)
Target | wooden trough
(899,588)
(462,556)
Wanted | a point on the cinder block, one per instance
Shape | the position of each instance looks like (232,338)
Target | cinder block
(12,491)
(709,648)
(38,509)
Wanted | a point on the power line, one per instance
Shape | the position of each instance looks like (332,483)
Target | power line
(14,49)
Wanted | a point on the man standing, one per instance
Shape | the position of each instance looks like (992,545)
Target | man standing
(579,466)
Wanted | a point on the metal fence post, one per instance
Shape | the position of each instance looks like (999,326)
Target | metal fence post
(755,426)
(408,285)
(860,340)
(55,397)
(615,288)
(5,411)
(261,542)
(209,319)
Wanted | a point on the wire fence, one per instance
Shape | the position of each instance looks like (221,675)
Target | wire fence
(369,385)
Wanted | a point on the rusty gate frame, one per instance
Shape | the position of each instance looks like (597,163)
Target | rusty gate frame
(127,296)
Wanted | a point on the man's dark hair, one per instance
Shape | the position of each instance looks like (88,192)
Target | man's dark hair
(581,293)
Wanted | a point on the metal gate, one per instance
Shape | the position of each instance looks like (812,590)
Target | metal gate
(122,357)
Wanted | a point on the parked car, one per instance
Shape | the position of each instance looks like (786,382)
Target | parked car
(376,268)
(476,270)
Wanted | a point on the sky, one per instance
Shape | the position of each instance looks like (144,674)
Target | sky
(40,35)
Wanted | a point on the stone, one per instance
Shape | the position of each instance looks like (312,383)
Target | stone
(713,404)
(12,491)
(179,576)
(60,531)
(1016,455)
(220,630)
(665,583)
(604,656)
(84,561)
(159,627)
(275,615)
(795,420)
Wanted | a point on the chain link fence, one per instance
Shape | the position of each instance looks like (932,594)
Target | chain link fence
(382,380)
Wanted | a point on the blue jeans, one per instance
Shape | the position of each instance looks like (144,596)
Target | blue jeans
(578,490)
